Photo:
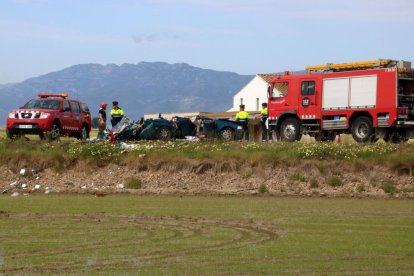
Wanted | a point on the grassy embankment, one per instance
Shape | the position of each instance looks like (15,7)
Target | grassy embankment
(73,150)
(205,235)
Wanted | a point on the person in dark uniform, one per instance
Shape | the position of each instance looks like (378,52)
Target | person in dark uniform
(243,117)
(102,119)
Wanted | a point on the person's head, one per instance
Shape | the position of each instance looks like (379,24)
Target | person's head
(264,105)
(242,107)
(115,103)
(103,105)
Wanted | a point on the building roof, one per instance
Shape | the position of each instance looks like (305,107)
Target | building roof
(268,77)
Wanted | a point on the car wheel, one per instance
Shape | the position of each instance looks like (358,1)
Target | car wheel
(362,130)
(290,130)
(55,131)
(227,134)
(164,133)
(84,134)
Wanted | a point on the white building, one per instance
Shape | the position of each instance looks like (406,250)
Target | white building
(253,94)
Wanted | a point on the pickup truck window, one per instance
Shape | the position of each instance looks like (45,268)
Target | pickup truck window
(66,107)
(85,108)
(43,104)
(75,107)
(280,89)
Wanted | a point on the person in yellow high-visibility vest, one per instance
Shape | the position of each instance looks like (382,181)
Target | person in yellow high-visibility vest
(266,133)
(116,113)
(243,117)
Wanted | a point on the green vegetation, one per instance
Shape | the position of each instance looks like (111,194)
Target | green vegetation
(298,177)
(72,150)
(388,187)
(334,181)
(133,183)
(248,172)
(314,183)
(360,188)
(156,235)
(263,189)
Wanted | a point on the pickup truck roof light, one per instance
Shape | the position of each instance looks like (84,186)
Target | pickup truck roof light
(43,95)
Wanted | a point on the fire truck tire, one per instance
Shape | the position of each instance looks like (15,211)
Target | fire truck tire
(396,137)
(55,131)
(290,130)
(163,133)
(227,134)
(362,129)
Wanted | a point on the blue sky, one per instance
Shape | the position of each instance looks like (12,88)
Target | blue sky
(242,36)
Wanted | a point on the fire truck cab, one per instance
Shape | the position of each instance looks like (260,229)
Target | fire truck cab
(369,100)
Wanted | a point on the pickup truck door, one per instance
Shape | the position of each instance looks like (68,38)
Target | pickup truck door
(76,119)
(66,118)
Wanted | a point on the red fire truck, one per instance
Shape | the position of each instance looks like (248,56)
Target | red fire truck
(370,100)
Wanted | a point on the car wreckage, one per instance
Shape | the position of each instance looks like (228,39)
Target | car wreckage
(177,128)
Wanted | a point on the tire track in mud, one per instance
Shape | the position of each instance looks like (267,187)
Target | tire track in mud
(173,229)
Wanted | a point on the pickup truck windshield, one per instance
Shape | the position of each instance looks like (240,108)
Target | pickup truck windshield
(43,104)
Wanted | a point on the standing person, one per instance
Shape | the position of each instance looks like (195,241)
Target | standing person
(243,117)
(102,119)
(116,113)
(266,133)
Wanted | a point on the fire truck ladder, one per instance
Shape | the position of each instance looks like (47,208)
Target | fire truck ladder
(381,63)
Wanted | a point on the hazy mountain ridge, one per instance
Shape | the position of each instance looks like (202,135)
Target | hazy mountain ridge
(146,87)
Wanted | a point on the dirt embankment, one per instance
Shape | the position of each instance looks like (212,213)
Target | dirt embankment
(189,177)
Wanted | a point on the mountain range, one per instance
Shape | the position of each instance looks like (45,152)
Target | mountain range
(142,88)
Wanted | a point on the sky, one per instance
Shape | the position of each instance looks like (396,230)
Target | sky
(243,36)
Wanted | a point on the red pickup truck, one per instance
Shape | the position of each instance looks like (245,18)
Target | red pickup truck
(51,114)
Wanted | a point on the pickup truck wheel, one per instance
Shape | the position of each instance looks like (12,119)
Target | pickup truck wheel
(11,135)
(290,130)
(55,131)
(84,134)
(362,129)
(227,134)
(164,133)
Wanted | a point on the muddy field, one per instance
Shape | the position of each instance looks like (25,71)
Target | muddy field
(308,178)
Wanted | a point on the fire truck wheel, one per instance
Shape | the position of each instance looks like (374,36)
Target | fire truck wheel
(362,129)
(55,131)
(396,137)
(290,130)
(227,134)
(164,133)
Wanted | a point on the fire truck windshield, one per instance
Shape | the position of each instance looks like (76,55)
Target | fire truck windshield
(43,104)
(280,89)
